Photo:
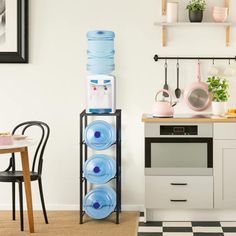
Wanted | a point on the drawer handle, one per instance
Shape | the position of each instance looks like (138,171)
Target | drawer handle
(182,184)
(179,200)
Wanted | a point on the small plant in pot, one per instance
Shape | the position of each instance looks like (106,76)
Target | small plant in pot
(196,8)
(218,87)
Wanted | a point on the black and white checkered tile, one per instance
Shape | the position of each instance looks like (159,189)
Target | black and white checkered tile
(193,228)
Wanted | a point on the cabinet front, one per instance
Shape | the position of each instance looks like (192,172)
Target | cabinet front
(179,192)
(225,173)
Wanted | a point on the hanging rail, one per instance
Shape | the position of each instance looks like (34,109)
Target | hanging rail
(156,58)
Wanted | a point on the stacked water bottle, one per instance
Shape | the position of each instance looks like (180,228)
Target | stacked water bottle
(99,135)
(99,169)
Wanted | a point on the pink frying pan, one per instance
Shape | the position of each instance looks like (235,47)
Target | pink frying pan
(196,95)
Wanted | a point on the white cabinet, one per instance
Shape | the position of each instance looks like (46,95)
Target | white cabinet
(198,192)
(224,131)
(224,165)
(175,192)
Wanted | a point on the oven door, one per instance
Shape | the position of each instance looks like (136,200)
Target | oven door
(178,156)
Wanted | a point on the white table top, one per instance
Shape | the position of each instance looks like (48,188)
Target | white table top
(18,144)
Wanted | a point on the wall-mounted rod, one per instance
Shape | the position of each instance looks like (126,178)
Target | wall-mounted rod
(156,58)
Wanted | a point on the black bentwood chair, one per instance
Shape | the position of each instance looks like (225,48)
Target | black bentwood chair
(12,175)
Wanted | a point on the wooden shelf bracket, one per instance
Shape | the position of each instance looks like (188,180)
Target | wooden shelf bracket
(164,7)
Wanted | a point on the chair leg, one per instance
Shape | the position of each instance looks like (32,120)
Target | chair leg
(21,207)
(13,201)
(42,200)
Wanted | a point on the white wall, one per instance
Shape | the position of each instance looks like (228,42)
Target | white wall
(51,87)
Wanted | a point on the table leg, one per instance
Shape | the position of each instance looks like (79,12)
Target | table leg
(26,173)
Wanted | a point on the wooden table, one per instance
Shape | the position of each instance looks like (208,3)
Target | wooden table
(22,148)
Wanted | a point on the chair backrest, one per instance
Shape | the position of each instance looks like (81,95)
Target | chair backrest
(43,132)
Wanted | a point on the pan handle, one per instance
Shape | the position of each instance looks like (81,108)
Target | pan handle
(198,71)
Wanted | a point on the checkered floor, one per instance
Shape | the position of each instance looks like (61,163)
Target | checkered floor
(184,228)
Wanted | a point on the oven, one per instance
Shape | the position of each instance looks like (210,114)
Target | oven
(178,149)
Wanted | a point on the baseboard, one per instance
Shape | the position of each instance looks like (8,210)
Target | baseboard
(67,207)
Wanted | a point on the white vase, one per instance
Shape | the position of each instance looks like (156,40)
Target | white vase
(172,12)
(219,108)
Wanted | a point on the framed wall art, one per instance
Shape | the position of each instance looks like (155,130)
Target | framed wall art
(13,31)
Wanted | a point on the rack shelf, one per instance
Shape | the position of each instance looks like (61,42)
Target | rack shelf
(84,117)
(165,25)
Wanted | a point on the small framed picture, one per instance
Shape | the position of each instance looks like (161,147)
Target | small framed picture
(13,31)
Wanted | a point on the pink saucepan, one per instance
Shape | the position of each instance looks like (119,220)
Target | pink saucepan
(163,108)
(196,95)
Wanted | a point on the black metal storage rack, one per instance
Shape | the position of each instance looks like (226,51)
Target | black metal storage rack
(84,156)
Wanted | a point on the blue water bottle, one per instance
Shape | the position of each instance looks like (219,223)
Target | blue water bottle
(101,42)
(99,169)
(99,135)
(100,52)
(100,202)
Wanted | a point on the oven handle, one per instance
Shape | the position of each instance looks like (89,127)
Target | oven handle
(179,184)
(179,200)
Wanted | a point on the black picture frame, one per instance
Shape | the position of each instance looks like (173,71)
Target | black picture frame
(21,55)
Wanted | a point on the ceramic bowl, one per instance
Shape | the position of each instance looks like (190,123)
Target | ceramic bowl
(6,140)
(214,70)
(19,137)
(219,17)
(221,9)
(229,71)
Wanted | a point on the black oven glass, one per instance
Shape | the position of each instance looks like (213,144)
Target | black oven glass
(178,153)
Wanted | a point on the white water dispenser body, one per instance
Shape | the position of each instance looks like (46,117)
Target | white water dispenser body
(100,94)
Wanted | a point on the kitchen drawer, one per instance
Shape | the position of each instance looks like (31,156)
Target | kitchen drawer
(224,131)
(191,192)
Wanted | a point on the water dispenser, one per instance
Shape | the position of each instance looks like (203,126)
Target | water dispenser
(100,94)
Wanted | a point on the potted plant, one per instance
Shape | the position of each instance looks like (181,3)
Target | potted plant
(196,8)
(219,90)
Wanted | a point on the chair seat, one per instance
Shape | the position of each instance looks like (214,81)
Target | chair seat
(14,176)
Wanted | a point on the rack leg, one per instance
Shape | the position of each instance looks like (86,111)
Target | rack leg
(81,169)
(119,158)
(118,165)
(117,216)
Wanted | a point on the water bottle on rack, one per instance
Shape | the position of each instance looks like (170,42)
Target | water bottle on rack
(99,169)
(100,202)
(99,135)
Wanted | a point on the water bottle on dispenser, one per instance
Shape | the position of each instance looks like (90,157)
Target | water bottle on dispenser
(100,52)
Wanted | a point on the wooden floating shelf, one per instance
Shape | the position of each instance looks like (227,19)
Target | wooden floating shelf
(165,25)
(189,24)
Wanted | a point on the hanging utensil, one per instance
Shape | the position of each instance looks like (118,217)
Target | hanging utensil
(196,95)
(177,90)
(166,87)
(214,71)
